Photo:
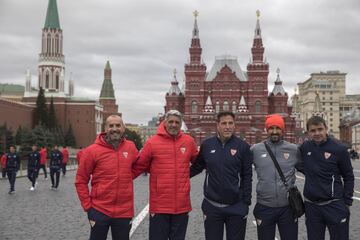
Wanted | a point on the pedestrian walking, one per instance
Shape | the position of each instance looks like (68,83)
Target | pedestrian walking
(12,167)
(43,160)
(329,183)
(167,156)
(272,206)
(227,186)
(107,165)
(56,159)
(3,165)
(65,154)
(33,166)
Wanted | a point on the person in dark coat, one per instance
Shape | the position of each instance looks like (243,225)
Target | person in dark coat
(12,166)
(56,159)
(33,166)
(329,183)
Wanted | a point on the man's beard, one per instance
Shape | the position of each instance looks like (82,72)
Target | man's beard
(275,138)
(113,138)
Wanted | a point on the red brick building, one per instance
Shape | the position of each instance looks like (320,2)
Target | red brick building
(226,87)
(83,114)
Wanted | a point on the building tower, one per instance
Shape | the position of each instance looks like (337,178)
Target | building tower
(258,71)
(174,97)
(195,71)
(27,83)
(278,97)
(51,67)
(107,96)
(71,86)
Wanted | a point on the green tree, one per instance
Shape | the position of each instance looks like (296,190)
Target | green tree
(70,138)
(58,136)
(26,142)
(133,136)
(39,135)
(40,113)
(52,122)
(18,135)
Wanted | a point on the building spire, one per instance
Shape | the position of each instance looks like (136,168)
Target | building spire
(195,48)
(257,29)
(257,49)
(242,105)
(196,29)
(208,105)
(174,89)
(107,89)
(52,16)
(278,88)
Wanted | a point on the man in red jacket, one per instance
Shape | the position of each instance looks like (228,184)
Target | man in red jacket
(167,156)
(43,157)
(108,163)
(3,165)
(65,153)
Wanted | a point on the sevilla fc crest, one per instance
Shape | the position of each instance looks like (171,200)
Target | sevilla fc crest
(125,154)
(183,150)
(286,156)
(233,151)
(327,155)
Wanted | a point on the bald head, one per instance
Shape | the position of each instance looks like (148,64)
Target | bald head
(115,129)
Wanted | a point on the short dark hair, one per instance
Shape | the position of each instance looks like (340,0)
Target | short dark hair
(315,120)
(223,114)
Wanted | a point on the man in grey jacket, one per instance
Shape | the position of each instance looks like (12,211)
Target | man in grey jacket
(272,206)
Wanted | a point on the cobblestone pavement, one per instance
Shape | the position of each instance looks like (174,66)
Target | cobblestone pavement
(46,214)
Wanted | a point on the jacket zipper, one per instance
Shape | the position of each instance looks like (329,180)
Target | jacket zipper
(117,177)
(176,182)
(332,186)
(239,179)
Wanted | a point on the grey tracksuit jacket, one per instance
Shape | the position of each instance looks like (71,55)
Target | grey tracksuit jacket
(270,190)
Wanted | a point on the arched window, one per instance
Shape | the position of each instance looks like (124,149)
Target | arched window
(217,107)
(226,106)
(257,106)
(57,44)
(233,107)
(48,43)
(57,81)
(47,80)
(193,107)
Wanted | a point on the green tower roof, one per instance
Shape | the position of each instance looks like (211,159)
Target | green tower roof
(107,89)
(52,16)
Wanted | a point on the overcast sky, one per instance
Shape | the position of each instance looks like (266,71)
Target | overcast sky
(146,39)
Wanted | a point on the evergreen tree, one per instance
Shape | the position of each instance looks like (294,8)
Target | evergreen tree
(40,113)
(58,136)
(39,135)
(9,136)
(133,136)
(26,142)
(18,134)
(70,138)
(52,124)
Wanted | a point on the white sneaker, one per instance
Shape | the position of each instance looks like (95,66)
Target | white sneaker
(32,188)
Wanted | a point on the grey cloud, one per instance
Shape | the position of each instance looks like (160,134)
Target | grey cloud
(144,41)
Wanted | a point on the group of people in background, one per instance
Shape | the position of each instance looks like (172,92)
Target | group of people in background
(172,158)
(36,160)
